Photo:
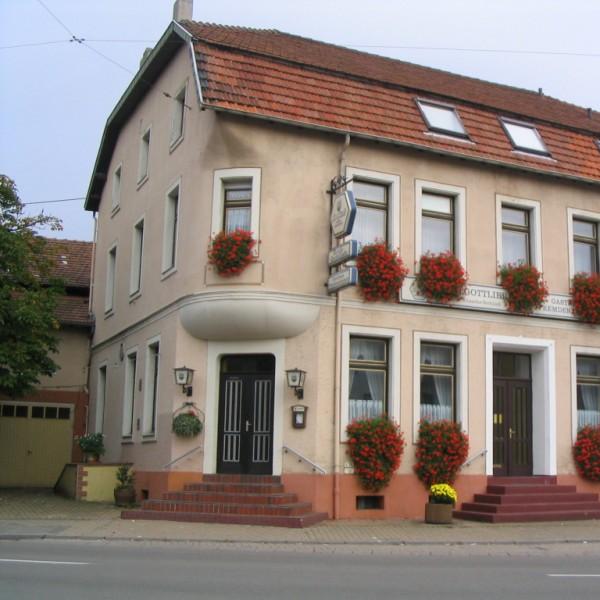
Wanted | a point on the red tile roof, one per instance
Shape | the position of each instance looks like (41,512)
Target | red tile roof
(271,74)
(72,261)
(73,310)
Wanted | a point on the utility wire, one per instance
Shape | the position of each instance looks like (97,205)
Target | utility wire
(35,44)
(54,201)
(114,62)
(57,19)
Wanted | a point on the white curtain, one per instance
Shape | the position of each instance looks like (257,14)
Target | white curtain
(436,390)
(367,386)
(237,218)
(588,405)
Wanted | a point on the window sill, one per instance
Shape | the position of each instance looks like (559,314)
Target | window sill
(168,273)
(149,439)
(175,144)
(127,442)
(142,181)
(109,313)
(115,210)
(134,296)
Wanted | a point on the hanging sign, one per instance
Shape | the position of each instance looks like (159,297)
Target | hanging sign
(342,279)
(342,253)
(343,213)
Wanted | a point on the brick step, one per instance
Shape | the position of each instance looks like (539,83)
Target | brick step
(535,498)
(282,498)
(219,478)
(527,480)
(162,506)
(235,488)
(526,508)
(296,521)
(526,517)
(530,489)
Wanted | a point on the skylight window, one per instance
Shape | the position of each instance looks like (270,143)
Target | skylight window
(442,118)
(524,137)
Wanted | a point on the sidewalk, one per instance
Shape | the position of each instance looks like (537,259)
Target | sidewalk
(40,514)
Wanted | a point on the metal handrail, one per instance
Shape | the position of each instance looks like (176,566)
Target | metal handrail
(301,458)
(473,458)
(183,456)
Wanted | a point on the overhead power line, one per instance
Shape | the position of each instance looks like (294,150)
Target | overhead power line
(54,201)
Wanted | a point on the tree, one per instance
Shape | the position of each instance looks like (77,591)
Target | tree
(28,296)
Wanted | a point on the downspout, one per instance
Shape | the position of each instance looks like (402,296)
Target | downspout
(338,367)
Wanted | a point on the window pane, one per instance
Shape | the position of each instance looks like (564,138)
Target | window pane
(436,355)
(64,413)
(37,412)
(367,393)
(237,195)
(524,137)
(371,192)
(588,405)
(369,225)
(237,218)
(585,257)
(436,397)
(588,366)
(584,229)
(21,411)
(437,235)
(367,349)
(51,412)
(436,203)
(441,117)
(515,247)
(514,216)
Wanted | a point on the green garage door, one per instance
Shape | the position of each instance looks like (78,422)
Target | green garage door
(35,443)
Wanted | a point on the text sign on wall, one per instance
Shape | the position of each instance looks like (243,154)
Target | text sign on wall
(343,213)
(342,279)
(491,298)
(342,253)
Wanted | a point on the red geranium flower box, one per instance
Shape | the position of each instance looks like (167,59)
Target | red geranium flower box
(230,253)
(585,297)
(441,278)
(526,289)
(381,272)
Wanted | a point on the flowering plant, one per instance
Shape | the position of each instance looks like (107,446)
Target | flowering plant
(441,278)
(187,424)
(585,297)
(92,443)
(586,452)
(375,447)
(380,272)
(442,493)
(231,252)
(441,450)
(526,289)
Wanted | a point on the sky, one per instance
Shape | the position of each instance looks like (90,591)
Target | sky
(55,97)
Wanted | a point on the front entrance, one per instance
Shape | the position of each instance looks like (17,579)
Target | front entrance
(512,414)
(246,400)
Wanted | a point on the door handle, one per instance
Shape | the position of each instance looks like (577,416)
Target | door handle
(511,432)
(248,425)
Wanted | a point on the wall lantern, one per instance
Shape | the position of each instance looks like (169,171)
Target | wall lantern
(183,377)
(295,380)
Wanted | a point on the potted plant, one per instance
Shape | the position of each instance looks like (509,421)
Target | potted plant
(125,490)
(442,499)
(230,253)
(381,272)
(585,297)
(375,447)
(441,278)
(586,452)
(92,446)
(525,287)
(186,424)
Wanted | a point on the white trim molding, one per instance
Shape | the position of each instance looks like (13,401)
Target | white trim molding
(171,220)
(149,389)
(101,393)
(392,336)
(461,342)
(577,351)
(584,215)
(543,388)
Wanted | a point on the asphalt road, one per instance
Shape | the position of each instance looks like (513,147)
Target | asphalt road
(49,570)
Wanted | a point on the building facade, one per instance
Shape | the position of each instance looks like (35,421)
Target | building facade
(228,127)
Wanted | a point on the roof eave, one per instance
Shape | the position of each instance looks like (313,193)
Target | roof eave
(170,42)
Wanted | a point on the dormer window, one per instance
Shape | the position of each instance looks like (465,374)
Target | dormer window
(524,137)
(441,118)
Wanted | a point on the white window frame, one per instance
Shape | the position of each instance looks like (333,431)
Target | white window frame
(392,336)
(459,196)
(144,156)
(507,121)
(111,279)
(221,178)
(171,230)
(117,181)
(148,411)
(575,351)
(178,112)
(421,102)
(461,344)
(130,386)
(137,258)
(101,384)
(535,227)
(392,182)
(584,215)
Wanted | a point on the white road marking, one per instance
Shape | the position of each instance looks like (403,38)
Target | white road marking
(41,562)
(573,574)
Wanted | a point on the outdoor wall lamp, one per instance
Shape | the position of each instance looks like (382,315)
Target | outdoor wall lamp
(183,377)
(295,380)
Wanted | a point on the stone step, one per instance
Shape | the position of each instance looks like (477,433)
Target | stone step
(533,508)
(168,506)
(281,498)
(235,487)
(527,480)
(535,498)
(530,489)
(296,521)
(219,478)
(526,517)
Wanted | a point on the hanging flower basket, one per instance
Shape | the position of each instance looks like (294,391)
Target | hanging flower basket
(230,253)
(526,289)
(375,447)
(441,278)
(187,425)
(381,272)
(586,452)
(585,297)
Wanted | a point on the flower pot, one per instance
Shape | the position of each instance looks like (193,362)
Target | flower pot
(125,496)
(91,458)
(439,514)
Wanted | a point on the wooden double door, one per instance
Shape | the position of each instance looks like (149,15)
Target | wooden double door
(512,425)
(246,404)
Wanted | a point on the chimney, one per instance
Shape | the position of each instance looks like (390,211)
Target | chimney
(182,10)
(145,56)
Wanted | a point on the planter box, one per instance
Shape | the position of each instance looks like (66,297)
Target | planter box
(439,514)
